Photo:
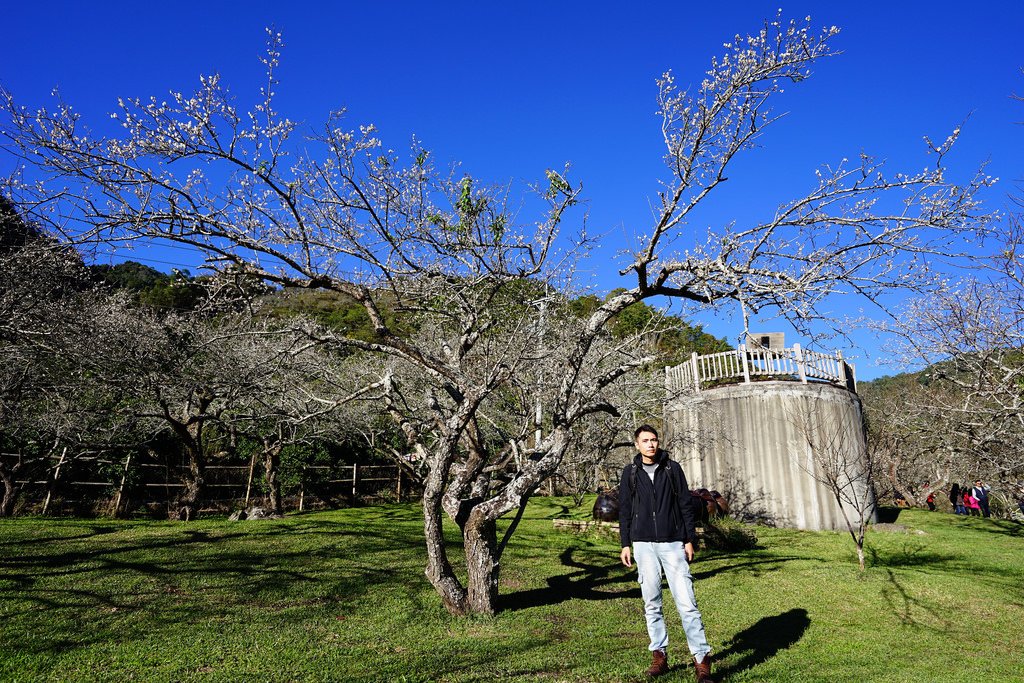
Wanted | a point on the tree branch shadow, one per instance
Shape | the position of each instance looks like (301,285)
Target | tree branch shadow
(608,580)
(163,571)
(753,566)
(902,603)
(1003,527)
(590,581)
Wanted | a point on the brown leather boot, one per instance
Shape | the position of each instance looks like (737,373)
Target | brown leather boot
(703,670)
(659,663)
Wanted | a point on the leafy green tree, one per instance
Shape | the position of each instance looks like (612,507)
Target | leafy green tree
(15,231)
(161,291)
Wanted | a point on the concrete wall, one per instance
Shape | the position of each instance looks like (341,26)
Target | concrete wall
(764,444)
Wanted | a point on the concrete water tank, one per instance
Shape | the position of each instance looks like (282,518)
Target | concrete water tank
(775,430)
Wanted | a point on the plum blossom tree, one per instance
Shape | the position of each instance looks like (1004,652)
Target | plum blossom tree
(916,453)
(342,212)
(58,332)
(964,416)
(300,394)
(845,467)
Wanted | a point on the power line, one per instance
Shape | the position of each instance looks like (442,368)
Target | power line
(131,256)
(149,260)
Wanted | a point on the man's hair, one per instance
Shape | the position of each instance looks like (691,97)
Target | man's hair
(644,428)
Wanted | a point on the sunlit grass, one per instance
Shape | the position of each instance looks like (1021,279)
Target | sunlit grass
(334,596)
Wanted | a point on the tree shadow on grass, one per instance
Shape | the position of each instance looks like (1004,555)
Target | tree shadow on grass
(608,580)
(912,553)
(753,566)
(1003,527)
(184,574)
(43,541)
(590,581)
(902,604)
(763,640)
(990,525)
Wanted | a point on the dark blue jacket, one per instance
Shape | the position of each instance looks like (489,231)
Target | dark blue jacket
(655,511)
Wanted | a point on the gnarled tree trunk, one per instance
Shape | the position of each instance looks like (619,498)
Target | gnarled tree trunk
(190,429)
(11,491)
(439,569)
(272,475)
(482,563)
(193,481)
(477,515)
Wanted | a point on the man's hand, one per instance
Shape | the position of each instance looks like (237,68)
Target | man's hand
(689,551)
(627,556)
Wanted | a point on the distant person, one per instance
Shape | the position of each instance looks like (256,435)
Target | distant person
(980,492)
(930,501)
(655,519)
(971,503)
(956,500)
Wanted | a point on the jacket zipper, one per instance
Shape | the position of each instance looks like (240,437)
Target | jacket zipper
(654,506)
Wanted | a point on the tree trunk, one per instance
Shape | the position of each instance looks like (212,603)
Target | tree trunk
(192,492)
(477,519)
(11,491)
(480,533)
(51,482)
(272,474)
(439,569)
(124,479)
(483,568)
(903,489)
(11,488)
(190,429)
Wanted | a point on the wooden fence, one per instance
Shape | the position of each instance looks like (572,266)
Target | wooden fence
(224,485)
(758,363)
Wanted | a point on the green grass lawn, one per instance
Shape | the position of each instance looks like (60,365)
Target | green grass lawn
(341,596)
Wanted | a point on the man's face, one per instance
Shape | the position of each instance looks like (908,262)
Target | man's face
(647,444)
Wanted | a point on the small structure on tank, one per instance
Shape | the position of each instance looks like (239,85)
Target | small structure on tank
(767,341)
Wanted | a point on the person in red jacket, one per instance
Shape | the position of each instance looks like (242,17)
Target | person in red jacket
(971,503)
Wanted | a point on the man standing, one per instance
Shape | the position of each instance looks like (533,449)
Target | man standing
(656,519)
(980,491)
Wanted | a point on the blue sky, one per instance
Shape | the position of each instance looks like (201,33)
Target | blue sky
(512,89)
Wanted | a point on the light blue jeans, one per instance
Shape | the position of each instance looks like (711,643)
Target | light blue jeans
(651,559)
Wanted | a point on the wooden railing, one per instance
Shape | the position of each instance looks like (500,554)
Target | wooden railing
(223,483)
(750,364)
